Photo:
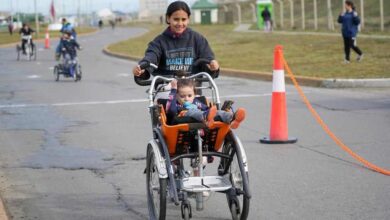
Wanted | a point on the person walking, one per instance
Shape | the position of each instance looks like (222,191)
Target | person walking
(10,27)
(350,21)
(266,15)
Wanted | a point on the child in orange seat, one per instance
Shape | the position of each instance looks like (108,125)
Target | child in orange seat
(182,102)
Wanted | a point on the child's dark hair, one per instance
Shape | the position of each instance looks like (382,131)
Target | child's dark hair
(185,83)
(176,6)
(350,3)
(181,74)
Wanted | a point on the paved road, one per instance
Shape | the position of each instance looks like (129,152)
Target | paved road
(67,149)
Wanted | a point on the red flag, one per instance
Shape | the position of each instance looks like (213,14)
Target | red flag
(52,10)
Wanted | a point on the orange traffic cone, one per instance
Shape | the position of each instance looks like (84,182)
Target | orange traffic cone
(47,39)
(279,128)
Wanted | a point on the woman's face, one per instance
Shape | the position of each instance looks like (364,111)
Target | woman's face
(178,21)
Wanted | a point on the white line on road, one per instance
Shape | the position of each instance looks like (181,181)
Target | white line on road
(124,75)
(33,76)
(114,101)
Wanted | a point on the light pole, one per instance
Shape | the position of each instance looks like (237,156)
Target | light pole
(382,16)
(292,13)
(330,16)
(303,13)
(36,18)
(12,14)
(362,13)
(315,15)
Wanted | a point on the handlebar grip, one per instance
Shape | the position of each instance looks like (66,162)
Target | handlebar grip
(201,61)
(144,65)
(142,82)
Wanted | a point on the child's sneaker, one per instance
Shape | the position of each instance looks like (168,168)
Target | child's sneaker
(211,115)
(238,117)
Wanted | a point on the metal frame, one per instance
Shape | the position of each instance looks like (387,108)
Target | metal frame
(180,186)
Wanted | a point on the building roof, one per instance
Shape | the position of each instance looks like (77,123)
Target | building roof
(204,4)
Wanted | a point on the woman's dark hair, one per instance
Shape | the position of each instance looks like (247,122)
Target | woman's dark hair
(176,6)
(350,3)
(185,83)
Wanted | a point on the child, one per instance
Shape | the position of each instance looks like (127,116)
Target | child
(69,45)
(182,102)
(177,47)
(26,31)
(350,22)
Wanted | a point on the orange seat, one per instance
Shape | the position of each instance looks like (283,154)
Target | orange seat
(180,137)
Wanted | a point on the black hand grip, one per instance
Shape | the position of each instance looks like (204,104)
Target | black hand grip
(142,82)
(144,65)
(201,61)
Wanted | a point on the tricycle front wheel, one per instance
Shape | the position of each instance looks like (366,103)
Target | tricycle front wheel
(156,188)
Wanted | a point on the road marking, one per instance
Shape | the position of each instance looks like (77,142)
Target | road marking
(51,68)
(73,103)
(124,75)
(33,76)
(113,102)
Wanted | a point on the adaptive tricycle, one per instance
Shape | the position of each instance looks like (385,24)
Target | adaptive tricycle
(180,152)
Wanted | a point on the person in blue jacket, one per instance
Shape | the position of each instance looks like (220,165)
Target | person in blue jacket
(68,28)
(178,47)
(350,22)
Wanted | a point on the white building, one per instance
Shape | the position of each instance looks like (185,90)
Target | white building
(152,9)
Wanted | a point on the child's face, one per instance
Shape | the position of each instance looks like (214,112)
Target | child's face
(178,21)
(186,94)
(66,36)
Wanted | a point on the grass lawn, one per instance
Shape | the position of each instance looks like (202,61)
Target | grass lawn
(5,38)
(318,56)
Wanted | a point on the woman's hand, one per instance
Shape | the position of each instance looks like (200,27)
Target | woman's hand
(214,65)
(137,71)
(174,84)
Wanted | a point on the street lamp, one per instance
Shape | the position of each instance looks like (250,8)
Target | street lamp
(36,18)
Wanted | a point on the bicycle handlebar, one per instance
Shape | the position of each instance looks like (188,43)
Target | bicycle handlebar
(146,82)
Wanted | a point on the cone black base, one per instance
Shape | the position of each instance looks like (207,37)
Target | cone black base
(290,140)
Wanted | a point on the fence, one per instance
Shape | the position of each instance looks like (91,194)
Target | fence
(323,14)
(312,14)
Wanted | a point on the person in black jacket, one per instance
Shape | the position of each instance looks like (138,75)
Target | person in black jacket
(26,32)
(69,45)
(266,15)
(350,22)
(178,47)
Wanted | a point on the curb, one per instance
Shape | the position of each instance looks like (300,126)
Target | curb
(303,80)
(356,83)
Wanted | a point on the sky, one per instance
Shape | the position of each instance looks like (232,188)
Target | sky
(68,6)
